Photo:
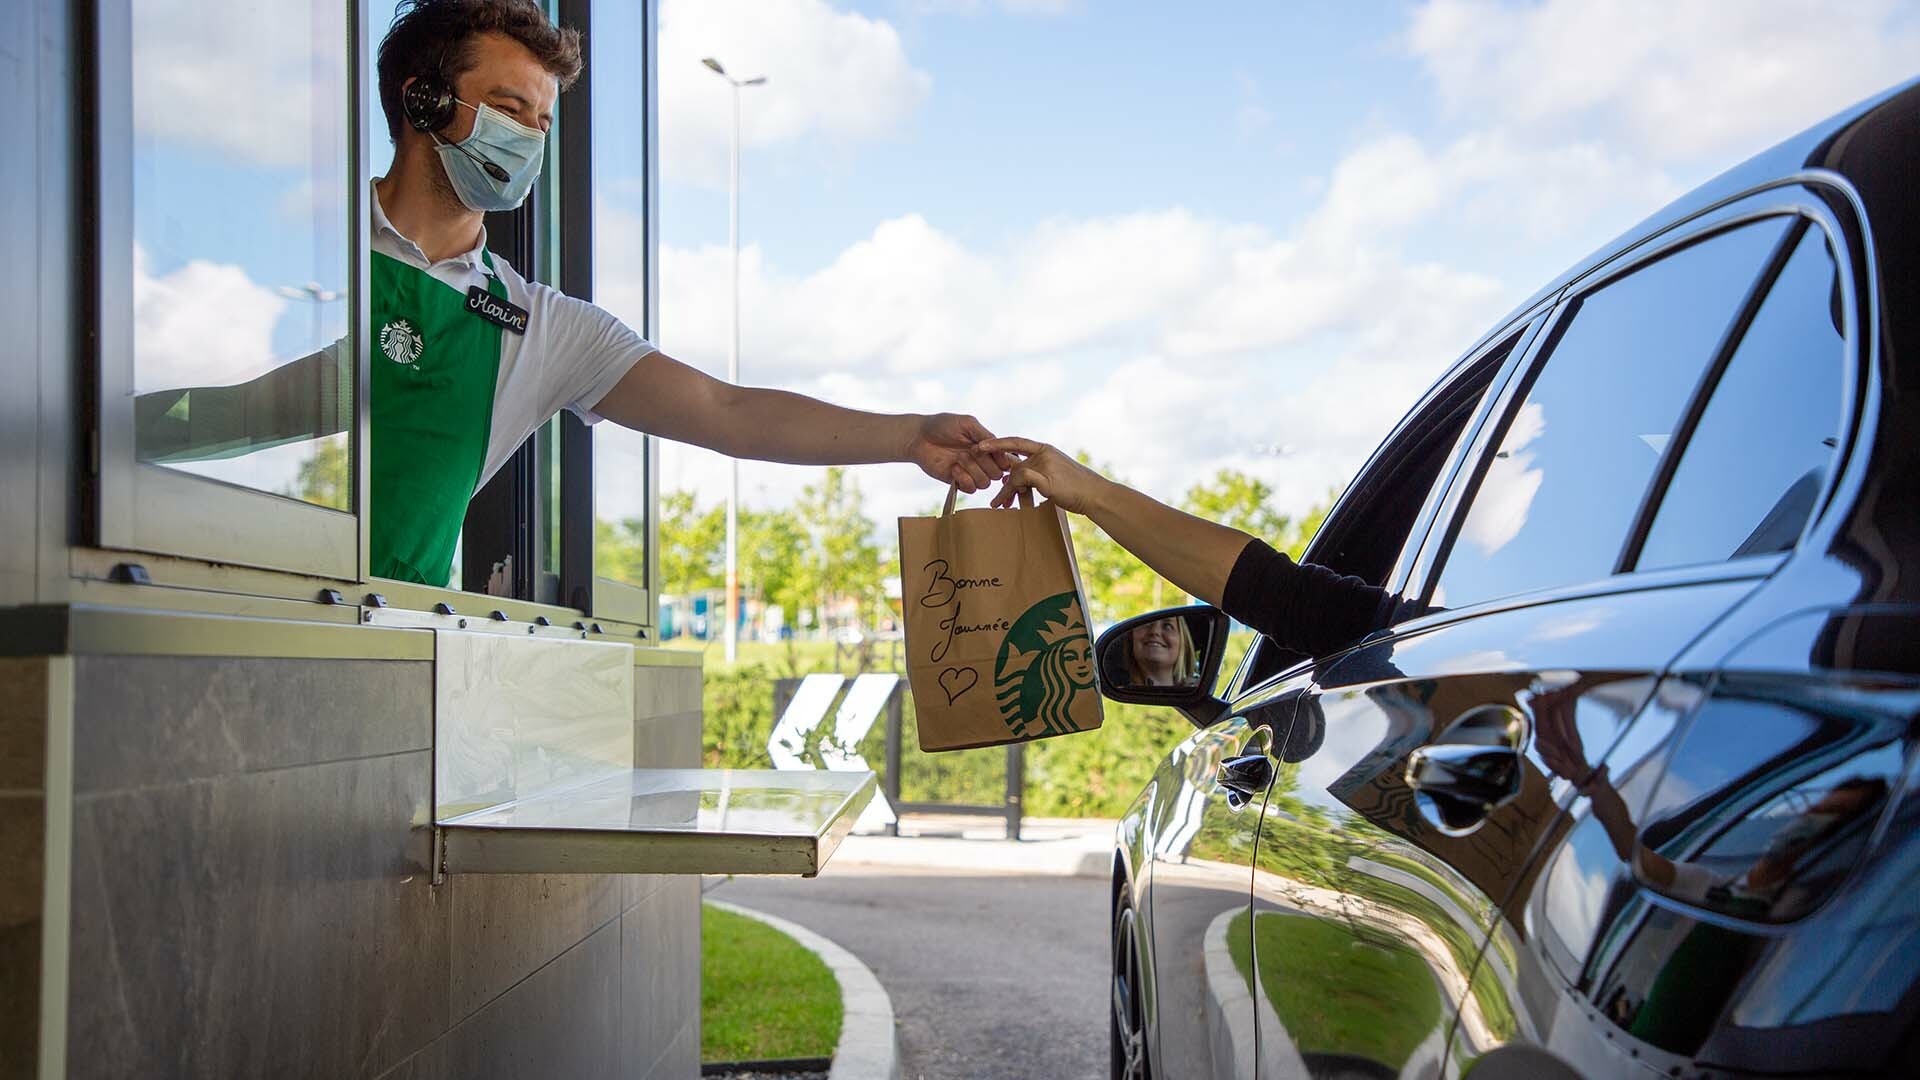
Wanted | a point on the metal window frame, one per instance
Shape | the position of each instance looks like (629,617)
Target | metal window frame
(149,508)
(581,584)
(1785,198)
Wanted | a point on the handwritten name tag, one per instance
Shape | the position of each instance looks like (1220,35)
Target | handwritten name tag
(495,310)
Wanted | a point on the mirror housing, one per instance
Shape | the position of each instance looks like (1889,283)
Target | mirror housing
(1191,690)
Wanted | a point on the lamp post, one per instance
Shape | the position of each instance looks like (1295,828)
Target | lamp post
(733,364)
(313,293)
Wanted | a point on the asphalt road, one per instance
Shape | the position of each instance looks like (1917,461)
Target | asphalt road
(992,978)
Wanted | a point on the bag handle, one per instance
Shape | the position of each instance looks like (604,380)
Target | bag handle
(1025,495)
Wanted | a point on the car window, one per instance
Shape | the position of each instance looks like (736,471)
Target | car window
(1557,498)
(1374,524)
(1758,457)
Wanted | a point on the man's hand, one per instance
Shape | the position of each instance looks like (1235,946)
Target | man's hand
(1071,485)
(948,448)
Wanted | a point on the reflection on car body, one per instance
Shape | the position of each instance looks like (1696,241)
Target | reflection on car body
(1624,785)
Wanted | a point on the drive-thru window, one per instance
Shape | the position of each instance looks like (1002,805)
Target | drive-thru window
(280,814)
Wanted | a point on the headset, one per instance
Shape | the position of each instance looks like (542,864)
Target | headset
(428,104)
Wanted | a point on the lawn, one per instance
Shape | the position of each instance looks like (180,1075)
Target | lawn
(762,995)
(1337,994)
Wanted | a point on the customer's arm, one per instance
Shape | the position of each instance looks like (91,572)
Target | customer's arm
(1307,609)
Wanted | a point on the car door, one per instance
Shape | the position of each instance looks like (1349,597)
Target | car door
(1661,933)
(1387,855)
(1202,1016)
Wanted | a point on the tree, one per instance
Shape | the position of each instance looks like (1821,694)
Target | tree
(842,561)
(772,548)
(620,549)
(1310,524)
(692,544)
(1118,584)
(1243,502)
(324,478)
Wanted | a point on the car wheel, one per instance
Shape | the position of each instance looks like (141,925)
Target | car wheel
(1126,1018)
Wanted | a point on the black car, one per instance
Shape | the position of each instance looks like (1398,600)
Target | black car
(1622,788)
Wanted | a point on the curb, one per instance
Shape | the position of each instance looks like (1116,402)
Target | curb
(867,1049)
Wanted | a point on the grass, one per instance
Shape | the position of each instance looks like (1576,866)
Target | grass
(1337,994)
(762,995)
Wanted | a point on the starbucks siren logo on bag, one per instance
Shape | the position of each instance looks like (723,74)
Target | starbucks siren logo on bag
(996,627)
(1045,659)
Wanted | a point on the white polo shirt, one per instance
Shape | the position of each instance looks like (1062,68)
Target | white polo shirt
(570,356)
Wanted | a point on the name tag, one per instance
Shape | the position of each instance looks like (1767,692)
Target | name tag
(495,310)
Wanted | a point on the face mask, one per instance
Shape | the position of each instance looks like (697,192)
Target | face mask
(513,151)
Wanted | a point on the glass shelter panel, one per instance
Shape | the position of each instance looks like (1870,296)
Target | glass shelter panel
(622,250)
(1556,501)
(240,244)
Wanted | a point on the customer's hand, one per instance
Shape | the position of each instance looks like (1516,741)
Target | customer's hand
(1046,470)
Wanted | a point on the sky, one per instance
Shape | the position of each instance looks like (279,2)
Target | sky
(1179,238)
(1223,235)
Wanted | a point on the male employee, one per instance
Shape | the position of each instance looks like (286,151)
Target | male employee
(469,358)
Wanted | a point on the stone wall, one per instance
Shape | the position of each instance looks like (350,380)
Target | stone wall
(251,893)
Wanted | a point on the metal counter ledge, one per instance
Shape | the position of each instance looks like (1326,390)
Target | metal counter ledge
(664,821)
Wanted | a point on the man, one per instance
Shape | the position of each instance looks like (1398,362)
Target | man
(469,358)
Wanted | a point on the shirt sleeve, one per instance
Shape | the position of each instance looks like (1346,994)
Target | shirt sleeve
(588,350)
(1304,608)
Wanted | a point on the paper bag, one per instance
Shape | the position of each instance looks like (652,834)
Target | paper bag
(997,643)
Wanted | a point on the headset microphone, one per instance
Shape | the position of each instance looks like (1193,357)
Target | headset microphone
(490,168)
(428,103)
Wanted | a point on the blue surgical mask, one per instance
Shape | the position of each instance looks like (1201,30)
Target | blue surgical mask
(497,140)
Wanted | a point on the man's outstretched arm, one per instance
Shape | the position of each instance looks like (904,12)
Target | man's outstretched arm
(662,396)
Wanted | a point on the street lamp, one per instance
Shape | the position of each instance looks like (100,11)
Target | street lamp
(313,293)
(733,363)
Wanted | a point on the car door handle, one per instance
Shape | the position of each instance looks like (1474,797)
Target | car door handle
(1245,777)
(1458,784)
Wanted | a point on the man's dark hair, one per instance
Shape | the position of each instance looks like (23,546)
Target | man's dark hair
(435,37)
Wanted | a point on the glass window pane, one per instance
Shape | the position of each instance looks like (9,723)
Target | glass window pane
(241,244)
(1759,455)
(1557,499)
(620,496)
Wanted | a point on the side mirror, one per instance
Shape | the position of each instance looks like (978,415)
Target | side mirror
(1169,657)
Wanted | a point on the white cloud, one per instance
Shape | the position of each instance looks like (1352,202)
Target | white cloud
(829,73)
(1672,81)
(244,81)
(202,324)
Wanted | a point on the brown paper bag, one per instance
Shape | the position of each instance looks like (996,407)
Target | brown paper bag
(997,643)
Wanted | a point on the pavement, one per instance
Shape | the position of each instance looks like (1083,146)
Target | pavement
(993,952)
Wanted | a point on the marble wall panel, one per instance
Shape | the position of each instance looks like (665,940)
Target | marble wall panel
(667,742)
(23,723)
(681,1059)
(506,926)
(22,831)
(660,964)
(158,720)
(275,923)
(563,1020)
(662,691)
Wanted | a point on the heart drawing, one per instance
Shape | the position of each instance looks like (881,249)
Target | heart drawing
(958,680)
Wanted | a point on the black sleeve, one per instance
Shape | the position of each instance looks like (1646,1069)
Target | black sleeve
(1304,608)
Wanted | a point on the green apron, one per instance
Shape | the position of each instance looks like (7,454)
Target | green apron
(434,368)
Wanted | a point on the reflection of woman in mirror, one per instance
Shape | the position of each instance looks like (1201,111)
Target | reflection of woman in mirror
(1301,607)
(1160,653)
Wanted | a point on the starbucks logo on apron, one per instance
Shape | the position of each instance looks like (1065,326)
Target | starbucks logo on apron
(401,342)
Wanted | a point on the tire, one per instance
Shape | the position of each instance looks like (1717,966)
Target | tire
(1126,1017)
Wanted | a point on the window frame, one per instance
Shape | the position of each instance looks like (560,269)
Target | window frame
(134,506)
(1786,197)
(607,597)
(1522,330)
